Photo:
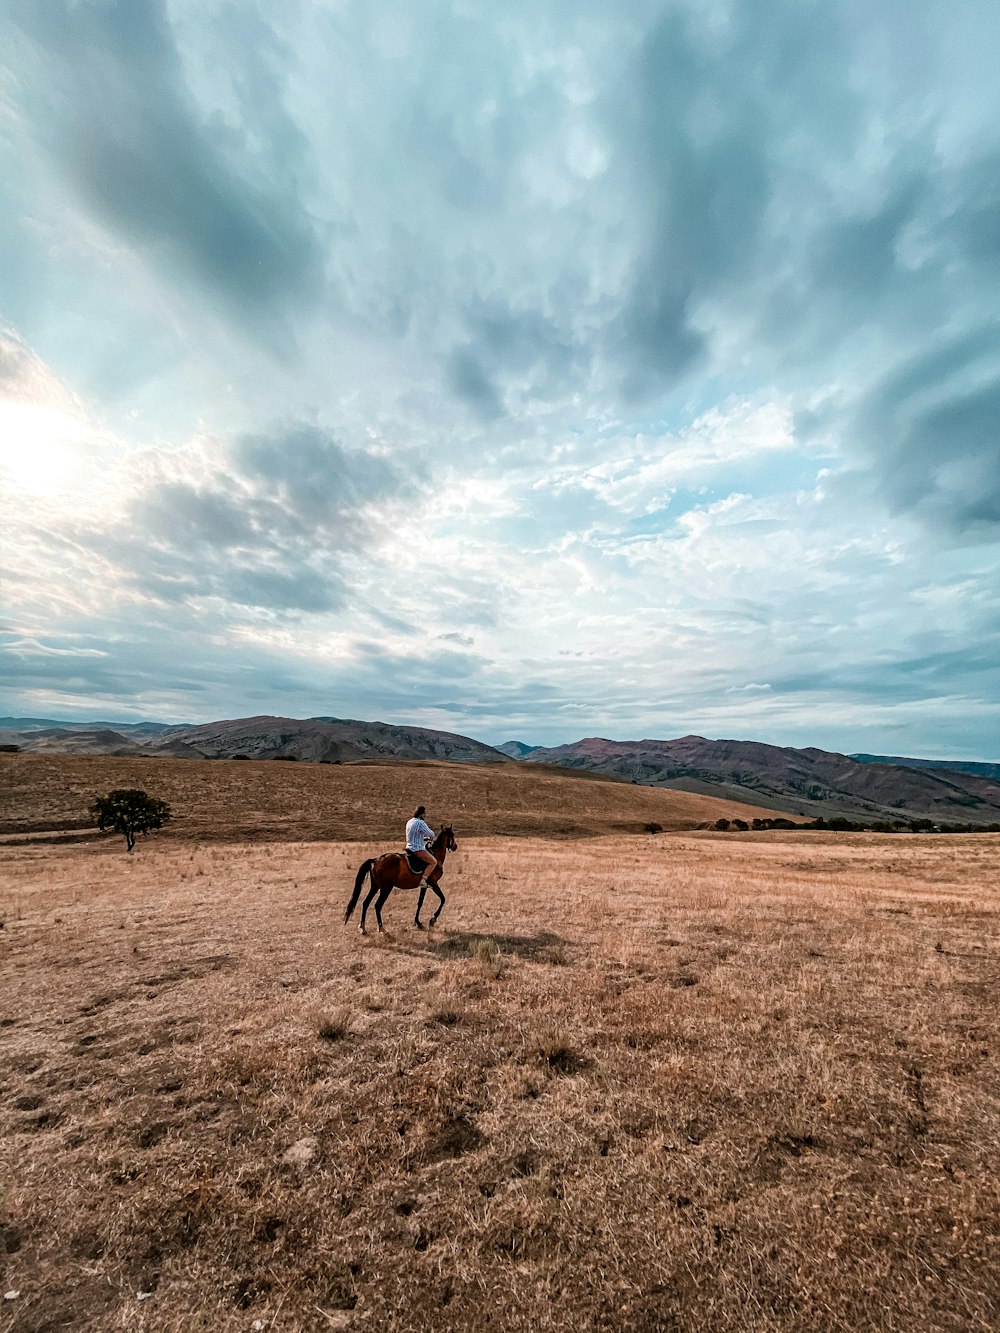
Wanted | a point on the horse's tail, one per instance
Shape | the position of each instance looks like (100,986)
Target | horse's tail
(365,869)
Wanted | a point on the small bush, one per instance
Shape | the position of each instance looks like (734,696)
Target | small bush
(653,828)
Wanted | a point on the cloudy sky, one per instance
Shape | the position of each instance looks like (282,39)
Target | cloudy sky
(535,370)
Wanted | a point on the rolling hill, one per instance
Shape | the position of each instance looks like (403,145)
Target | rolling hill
(219,800)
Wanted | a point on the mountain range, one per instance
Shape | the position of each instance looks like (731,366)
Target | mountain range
(809,781)
(316,739)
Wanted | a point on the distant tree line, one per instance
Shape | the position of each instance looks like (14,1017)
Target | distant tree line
(839,824)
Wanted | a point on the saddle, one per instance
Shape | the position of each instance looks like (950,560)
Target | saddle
(417,867)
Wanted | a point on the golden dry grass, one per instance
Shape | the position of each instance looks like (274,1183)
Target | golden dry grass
(694,1083)
(275,800)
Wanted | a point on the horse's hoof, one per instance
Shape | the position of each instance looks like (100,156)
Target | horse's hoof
(419,925)
(362,931)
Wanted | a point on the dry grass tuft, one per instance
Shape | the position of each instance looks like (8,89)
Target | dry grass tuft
(448,1011)
(552,1044)
(553,953)
(488,953)
(334,1024)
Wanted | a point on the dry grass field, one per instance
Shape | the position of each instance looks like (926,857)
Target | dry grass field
(274,800)
(692,1082)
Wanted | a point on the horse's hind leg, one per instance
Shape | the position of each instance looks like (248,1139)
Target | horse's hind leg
(365,906)
(420,902)
(439,906)
(379,904)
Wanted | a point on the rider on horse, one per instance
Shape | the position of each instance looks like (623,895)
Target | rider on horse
(418,835)
(392,870)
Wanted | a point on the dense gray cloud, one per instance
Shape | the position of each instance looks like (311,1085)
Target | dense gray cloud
(936,428)
(699,147)
(312,477)
(111,107)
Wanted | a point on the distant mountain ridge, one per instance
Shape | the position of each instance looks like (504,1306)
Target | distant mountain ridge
(516,749)
(797,781)
(990,771)
(317,739)
(36,724)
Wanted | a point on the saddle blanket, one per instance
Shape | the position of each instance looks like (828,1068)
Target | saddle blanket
(416,865)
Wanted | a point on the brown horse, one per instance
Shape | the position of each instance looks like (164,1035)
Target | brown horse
(390,871)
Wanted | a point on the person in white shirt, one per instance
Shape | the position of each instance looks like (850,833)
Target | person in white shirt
(418,834)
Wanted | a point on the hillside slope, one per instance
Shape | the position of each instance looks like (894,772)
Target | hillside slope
(807,781)
(331,738)
(229,800)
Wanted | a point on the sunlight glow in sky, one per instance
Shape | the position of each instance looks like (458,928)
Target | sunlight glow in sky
(530,371)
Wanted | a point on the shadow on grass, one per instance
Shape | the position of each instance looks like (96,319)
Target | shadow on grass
(544,947)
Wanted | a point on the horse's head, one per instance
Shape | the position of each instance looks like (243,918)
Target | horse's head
(449,839)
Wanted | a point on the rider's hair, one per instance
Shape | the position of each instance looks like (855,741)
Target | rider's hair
(420,811)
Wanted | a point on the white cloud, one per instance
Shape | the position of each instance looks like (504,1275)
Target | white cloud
(639,475)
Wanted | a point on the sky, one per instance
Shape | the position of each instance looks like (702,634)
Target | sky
(537,370)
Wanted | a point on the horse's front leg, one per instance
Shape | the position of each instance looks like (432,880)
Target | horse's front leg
(440,904)
(420,903)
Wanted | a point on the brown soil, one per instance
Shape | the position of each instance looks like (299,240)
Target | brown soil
(689,1083)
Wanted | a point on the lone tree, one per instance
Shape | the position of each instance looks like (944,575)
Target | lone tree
(128,812)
